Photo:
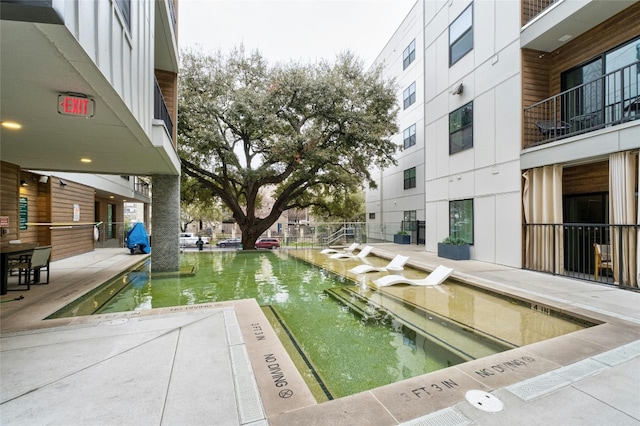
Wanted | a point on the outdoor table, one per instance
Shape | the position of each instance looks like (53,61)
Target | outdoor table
(5,252)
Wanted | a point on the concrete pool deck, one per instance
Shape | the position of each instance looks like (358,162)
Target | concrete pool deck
(222,364)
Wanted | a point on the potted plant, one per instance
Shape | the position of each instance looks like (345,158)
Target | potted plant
(454,248)
(402,237)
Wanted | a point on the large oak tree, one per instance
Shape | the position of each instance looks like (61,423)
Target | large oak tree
(304,131)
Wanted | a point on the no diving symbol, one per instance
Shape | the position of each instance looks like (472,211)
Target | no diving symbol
(286,393)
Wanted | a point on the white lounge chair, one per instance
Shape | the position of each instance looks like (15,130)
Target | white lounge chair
(436,277)
(396,262)
(361,254)
(349,249)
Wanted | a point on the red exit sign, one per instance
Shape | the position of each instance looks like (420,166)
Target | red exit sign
(76,105)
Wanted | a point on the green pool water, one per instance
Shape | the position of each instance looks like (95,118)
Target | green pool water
(347,339)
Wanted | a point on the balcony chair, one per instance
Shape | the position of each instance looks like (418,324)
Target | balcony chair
(603,258)
(552,129)
(39,260)
(13,259)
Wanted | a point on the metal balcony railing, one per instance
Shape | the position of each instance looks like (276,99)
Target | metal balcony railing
(160,110)
(533,8)
(141,186)
(568,249)
(606,101)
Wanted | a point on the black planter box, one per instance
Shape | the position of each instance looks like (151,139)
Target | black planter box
(454,251)
(402,239)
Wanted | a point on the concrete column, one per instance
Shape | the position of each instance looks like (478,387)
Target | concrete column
(165,223)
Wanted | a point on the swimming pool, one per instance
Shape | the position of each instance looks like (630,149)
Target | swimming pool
(347,337)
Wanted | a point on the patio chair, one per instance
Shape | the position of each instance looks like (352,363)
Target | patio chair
(39,260)
(551,128)
(361,254)
(14,259)
(603,258)
(436,277)
(349,249)
(395,264)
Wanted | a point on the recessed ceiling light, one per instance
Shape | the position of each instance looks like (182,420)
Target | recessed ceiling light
(11,125)
(111,196)
(85,160)
(565,37)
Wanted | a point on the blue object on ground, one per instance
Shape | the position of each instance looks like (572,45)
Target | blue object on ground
(138,240)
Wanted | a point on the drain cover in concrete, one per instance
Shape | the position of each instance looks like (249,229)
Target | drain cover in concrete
(484,401)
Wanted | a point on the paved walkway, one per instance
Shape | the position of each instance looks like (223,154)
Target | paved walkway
(213,363)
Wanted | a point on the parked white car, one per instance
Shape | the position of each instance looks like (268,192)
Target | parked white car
(190,239)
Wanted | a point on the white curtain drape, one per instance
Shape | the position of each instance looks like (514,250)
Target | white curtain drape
(623,210)
(542,203)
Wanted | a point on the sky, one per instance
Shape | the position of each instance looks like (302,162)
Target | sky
(286,30)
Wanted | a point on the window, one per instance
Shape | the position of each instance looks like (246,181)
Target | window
(409,221)
(461,129)
(461,35)
(410,136)
(125,9)
(409,54)
(410,178)
(595,98)
(461,220)
(372,215)
(409,95)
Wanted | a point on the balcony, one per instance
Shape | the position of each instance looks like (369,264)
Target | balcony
(569,250)
(604,102)
(532,8)
(160,110)
(141,186)
(549,24)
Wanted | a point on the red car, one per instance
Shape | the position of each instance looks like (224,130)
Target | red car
(268,243)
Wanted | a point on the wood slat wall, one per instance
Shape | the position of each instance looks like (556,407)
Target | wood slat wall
(9,183)
(586,178)
(541,71)
(34,191)
(78,239)
(615,31)
(168,83)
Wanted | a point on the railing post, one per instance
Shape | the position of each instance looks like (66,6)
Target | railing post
(620,257)
(555,255)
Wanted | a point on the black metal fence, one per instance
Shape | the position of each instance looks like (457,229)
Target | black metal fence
(160,110)
(570,250)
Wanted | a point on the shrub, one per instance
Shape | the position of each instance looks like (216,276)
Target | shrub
(454,241)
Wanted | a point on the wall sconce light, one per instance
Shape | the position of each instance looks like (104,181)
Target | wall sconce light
(458,90)
(63,183)
(23,182)
(43,179)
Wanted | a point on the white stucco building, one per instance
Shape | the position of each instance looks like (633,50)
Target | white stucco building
(527,133)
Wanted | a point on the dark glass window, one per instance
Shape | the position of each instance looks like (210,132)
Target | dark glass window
(461,35)
(409,220)
(461,129)
(410,136)
(410,178)
(125,9)
(595,99)
(409,95)
(409,54)
(372,215)
(461,220)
